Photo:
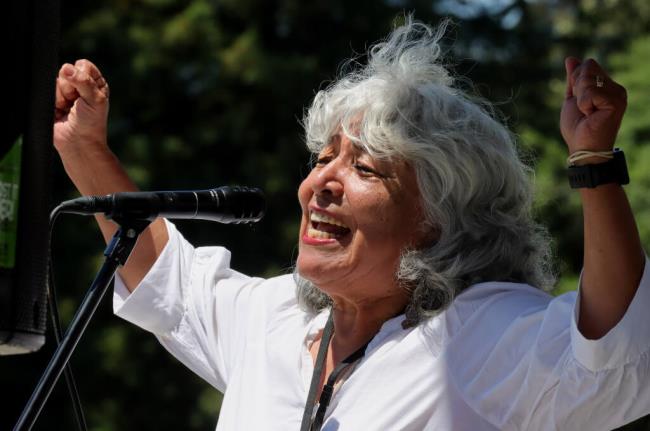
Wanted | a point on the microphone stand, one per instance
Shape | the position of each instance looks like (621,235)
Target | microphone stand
(117,252)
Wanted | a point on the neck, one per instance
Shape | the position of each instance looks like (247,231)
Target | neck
(355,324)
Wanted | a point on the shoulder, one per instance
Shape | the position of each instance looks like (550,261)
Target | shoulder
(495,309)
(273,296)
(503,298)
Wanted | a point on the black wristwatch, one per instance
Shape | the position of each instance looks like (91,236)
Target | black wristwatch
(612,171)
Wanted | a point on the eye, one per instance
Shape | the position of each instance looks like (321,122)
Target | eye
(364,168)
(322,160)
(367,171)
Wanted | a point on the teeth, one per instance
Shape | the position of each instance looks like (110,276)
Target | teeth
(318,217)
(313,233)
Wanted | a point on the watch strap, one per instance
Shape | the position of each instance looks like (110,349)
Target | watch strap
(590,176)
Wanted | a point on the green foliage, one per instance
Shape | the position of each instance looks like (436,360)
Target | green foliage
(208,93)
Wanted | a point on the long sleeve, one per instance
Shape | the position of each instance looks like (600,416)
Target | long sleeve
(195,304)
(520,361)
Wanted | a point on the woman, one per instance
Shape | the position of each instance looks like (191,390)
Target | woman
(416,249)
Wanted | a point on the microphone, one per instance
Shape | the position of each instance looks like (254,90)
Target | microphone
(234,204)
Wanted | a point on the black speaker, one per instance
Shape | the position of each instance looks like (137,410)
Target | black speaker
(30,66)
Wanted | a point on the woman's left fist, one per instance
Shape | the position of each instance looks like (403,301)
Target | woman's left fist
(593,107)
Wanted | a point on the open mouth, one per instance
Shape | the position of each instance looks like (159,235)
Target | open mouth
(325,227)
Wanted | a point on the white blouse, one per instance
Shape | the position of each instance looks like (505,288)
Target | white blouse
(503,356)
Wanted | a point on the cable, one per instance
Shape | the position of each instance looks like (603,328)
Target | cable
(56,325)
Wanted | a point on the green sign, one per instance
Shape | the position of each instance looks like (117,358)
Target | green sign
(9,185)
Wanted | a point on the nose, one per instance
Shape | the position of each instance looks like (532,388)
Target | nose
(327,179)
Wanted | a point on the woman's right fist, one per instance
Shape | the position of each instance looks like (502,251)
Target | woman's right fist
(81,109)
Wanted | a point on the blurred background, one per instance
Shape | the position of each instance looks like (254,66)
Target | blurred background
(208,93)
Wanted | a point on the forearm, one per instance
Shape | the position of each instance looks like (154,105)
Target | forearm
(97,172)
(100,173)
(613,259)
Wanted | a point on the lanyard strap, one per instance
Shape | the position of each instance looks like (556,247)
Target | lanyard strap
(328,389)
(313,421)
(318,371)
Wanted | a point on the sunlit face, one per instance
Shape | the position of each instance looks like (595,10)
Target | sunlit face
(359,214)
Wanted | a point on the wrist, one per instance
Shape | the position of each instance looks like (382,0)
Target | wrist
(96,171)
(78,157)
(593,160)
(90,146)
(589,156)
(589,169)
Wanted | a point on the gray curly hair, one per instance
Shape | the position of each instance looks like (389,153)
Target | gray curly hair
(476,191)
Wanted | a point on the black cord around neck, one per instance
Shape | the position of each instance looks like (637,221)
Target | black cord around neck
(318,371)
(312,421)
